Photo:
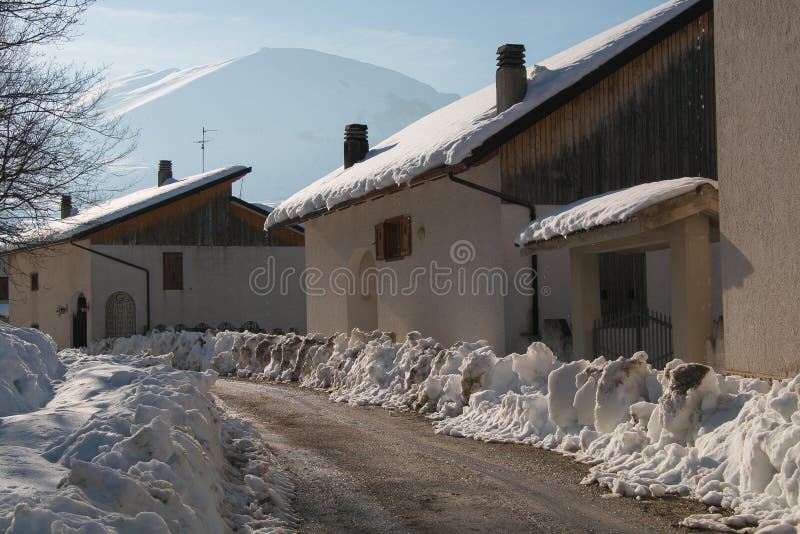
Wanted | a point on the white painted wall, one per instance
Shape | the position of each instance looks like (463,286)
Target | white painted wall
(216,283)
(659,296)
(64,273)
(448,213)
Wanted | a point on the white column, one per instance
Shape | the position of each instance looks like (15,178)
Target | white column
(585,301)
(690,260)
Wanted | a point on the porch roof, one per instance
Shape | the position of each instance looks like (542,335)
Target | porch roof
(627,214)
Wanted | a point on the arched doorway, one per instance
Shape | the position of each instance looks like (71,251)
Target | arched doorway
(362,302)
(120,315)
(80,322)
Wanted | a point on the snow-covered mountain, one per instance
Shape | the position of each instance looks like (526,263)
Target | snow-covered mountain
(281,111)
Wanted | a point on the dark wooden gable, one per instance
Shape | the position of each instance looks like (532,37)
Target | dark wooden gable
(651,119)
(205,218)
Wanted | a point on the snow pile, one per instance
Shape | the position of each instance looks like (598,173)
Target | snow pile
(133,445)
(608,208)
(730,442)
(449,135)
(29,368)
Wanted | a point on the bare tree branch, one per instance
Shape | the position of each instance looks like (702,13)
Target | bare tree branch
(54,137)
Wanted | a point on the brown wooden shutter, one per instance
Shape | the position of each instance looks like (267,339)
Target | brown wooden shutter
(405,236)
(173,270)
(380,244)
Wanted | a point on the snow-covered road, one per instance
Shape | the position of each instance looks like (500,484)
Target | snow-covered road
(370,469)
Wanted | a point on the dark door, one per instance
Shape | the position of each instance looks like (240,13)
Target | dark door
(79,324)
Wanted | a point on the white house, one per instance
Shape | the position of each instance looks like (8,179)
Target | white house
(180,253)
(426,218)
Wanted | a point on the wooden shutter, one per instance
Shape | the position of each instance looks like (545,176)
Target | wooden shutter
(380,244)
(405,236)
(173,270)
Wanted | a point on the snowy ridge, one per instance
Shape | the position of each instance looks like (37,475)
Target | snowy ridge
(130,92)
(134,445)
(281,110)
(732,443)
(449,135)
(111,210)
(608,208)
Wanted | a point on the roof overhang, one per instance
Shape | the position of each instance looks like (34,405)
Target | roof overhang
(490,146)
(646,229)
(229,177)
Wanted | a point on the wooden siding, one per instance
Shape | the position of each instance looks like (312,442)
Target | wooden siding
(652,119)
(205,218)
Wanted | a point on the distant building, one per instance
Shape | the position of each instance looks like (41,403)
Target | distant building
(629,106)
(177,254)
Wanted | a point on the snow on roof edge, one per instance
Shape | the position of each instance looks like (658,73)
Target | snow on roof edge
(128,205)
(448,135)
(605,209)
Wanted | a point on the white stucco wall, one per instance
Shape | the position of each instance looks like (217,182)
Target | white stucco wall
(449,213)
(216,286)
(757,58)
(64,273)
(659,297)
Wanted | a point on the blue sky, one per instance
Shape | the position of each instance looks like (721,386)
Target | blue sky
(447,44)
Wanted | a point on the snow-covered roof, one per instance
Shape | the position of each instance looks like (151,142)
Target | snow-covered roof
(108,212)
(449,135)
(608,208)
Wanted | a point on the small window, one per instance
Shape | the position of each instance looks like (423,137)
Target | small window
(3,288)
(173,270)
(34,281)
(393,238)
(35,325)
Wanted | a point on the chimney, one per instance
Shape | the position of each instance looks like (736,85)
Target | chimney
(356,144)
(66,206)
(511,79)
(164,171)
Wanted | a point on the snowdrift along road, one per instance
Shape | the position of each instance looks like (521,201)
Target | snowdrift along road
(122,444)
(731,442)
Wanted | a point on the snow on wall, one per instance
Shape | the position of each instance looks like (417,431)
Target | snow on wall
(730,442)
(29,368)
(134,445)
(608,208)
(450,134)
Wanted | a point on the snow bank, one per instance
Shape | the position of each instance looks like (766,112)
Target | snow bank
(608,208)
(29,368)
(133,445)
(730,442)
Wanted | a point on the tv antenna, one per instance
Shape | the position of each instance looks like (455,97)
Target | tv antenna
(202,142)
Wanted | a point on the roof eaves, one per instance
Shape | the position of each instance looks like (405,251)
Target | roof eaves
(635,49)
(234,175)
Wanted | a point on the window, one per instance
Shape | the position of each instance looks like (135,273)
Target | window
(34,281)
(393,238)
(173,270)
(3,288)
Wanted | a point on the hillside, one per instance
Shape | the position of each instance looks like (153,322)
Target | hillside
(281,111)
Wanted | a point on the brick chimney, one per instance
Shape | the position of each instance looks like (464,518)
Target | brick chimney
(511,78)
(164,171)
(356,144)
(66,206)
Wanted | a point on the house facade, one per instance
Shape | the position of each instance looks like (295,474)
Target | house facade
(758,102)
(179,254)
(629,106)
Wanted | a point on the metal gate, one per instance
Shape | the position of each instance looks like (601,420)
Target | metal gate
(120,315)
(624,334)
